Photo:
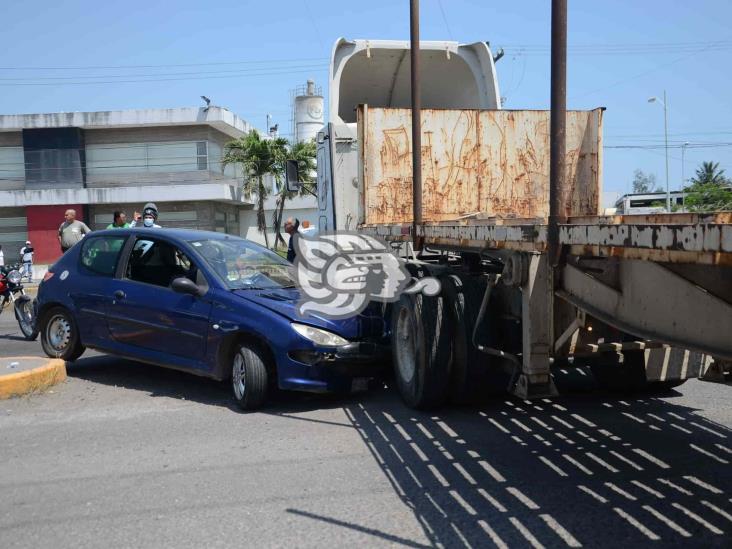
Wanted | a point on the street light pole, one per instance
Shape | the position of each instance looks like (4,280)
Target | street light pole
(665,134)
(665,131)
(683,173)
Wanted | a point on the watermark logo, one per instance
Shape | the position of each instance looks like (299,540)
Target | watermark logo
(339,273)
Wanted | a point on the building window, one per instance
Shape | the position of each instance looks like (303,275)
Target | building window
(176,156)
(12,163)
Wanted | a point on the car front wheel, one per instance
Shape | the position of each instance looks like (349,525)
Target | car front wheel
(60,336)
(249,376)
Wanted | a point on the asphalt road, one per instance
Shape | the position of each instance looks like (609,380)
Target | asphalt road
(124,454)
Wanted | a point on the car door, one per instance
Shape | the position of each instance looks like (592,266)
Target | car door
(146,314)
(89,284)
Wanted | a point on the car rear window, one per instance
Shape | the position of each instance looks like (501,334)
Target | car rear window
(100,254)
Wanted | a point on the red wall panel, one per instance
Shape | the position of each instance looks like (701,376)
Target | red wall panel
(43,224)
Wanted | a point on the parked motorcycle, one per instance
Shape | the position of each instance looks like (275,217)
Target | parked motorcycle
(12,292)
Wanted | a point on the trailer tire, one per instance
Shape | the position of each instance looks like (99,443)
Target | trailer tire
(421,350)
(472,375)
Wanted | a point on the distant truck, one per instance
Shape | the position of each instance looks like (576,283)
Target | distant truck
(639,299)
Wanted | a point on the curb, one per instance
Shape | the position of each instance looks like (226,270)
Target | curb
(37,379)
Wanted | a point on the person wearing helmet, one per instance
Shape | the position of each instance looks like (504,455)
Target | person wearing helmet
(148,217)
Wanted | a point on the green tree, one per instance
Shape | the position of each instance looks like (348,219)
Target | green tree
(304,152)
(710,190)
(258,158)
(645,183)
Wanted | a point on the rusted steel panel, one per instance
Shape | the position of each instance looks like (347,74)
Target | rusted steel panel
(490,163)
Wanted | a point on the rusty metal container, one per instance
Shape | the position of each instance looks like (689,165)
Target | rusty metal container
(488,163)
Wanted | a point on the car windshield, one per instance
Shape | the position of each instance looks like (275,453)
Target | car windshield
(244,265)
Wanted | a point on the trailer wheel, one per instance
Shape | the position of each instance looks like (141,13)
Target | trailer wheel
(472,376)
(421,350)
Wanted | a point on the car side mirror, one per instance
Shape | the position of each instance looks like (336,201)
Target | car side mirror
(292,176)
(184,285)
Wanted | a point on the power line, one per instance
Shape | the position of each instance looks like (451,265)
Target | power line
(206,64)
(153,80)
(444,19)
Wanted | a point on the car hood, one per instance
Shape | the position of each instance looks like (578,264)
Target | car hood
(284,302)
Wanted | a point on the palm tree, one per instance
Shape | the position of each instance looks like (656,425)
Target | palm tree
(258,157)
(709,172)
(304,152)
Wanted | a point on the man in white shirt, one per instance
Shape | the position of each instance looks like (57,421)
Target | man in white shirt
(26,256)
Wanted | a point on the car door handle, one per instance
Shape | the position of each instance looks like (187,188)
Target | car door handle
(119,294)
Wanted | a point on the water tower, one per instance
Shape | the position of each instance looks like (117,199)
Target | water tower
(308,111)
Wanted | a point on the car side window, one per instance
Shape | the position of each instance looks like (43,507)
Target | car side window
(99,255)
(159,263)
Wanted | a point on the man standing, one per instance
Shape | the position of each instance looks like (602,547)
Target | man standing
(2,256)
(26,256)
(291,227)
(119,221)
(71,231)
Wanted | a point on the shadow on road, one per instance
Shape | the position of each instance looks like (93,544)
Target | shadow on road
(165,382)
(582,470)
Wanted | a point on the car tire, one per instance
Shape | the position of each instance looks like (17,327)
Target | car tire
(421,350)
(249,376)
(60,335)
(473,375)
(25,315)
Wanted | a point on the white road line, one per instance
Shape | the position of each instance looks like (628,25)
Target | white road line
(652,459)
(595,495)
(523,498)
(667,521)
(701,483)
(648,489)
(525,532)
(447,429)
(644,530)
(723,448)
(680,428)
(634,418)
(565,423)
(542,423)
(501,427)
(457,497)
(583,420)
(493,501)
(620,491)
(675,487)
(524,427)
(708,453)
(602,462)
(442,480)
(709,526)
(552,466)
(495,538)
(414,477)
(425,431)
(418,451)
(657,418)
(577,464)
(626,460)
(716,433)
(402,432)
(568,538)
(498,477)
(465,474)
(716,509)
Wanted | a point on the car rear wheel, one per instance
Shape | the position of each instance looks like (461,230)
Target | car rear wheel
(249,376)
(60,335)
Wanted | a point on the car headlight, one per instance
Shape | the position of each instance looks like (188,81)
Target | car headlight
(320,337)
(14,277)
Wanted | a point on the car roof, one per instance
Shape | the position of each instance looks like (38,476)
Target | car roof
(179,234)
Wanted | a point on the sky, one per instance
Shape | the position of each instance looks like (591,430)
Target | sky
(247,55)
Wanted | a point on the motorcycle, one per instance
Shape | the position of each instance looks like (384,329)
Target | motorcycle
(12,292)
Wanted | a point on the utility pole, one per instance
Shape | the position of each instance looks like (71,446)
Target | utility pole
(557,127)
(416,121)
(665,131)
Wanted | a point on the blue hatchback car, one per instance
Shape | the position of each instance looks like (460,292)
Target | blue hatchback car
(207,303)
